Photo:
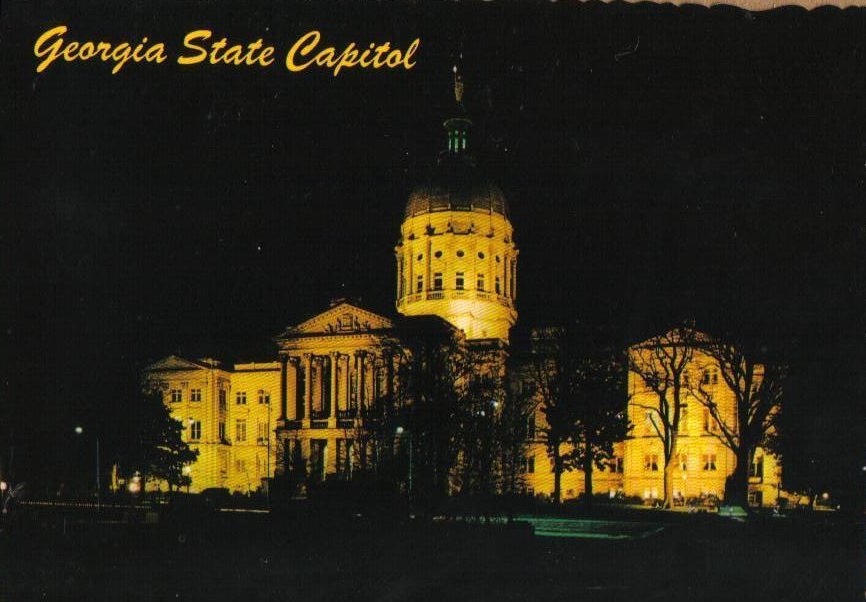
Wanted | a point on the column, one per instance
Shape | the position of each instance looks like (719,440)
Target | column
(347,379)
(362,381)
(308,385)
(355,392)
(284,380)
(295,385)
(333,404)
(319,393)
(389,375)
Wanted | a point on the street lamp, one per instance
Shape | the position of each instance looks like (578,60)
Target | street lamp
(400,432)
(78,431)
(187,471)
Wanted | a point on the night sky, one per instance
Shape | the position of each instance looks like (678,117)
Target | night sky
(661,164)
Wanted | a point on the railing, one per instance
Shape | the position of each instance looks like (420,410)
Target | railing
(318,424)
(292,425)
(318,414)
(346,414)
(437,295)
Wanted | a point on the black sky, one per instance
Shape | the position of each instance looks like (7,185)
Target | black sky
(661,164)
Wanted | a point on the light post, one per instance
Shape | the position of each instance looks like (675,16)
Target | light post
(187,471)
(78,431)
(400,432)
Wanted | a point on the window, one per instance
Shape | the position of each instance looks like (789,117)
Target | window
(615,465)
(262,433)
(344,457)
(264,398)
(528,465)
(683,462)
(498,285)
(480,255)
(480,283)
(437,281)
(710,424)
(437,254)
(420,256)
(757,468)
(458,282)
(240,465)
(419,283)
(222,431)
(318,449)
(222,400)
(241,398)
(195,430)
(195,394)
(176,396)
(650,423)
(684,419)
(651,463)
(709,462)
(710,376)
(240,430)
(530,426)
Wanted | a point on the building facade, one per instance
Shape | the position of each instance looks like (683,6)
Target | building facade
(701,462)
(456,260)
(228,415)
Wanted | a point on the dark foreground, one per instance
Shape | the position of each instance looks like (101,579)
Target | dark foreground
(232,556)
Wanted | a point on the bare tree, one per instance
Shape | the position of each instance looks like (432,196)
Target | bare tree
(547,374)
(517,408)
(757,393)
(432,373)
(599,394)
(661,363)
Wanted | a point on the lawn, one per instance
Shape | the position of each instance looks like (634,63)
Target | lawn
(308,556)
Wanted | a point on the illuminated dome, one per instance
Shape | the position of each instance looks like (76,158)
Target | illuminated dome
(456,255)
(456,185)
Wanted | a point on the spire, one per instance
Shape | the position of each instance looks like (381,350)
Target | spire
(459,125)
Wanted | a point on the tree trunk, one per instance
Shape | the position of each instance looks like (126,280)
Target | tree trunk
(557,475)
(737,489)
(668,484)
(587,476)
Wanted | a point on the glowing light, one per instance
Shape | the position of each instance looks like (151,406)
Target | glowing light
(4,485)
(134,487)
(79,430)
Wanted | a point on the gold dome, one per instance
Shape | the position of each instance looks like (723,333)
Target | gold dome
(456,185)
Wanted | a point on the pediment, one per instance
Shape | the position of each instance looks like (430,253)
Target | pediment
(176,363)
(344,318)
